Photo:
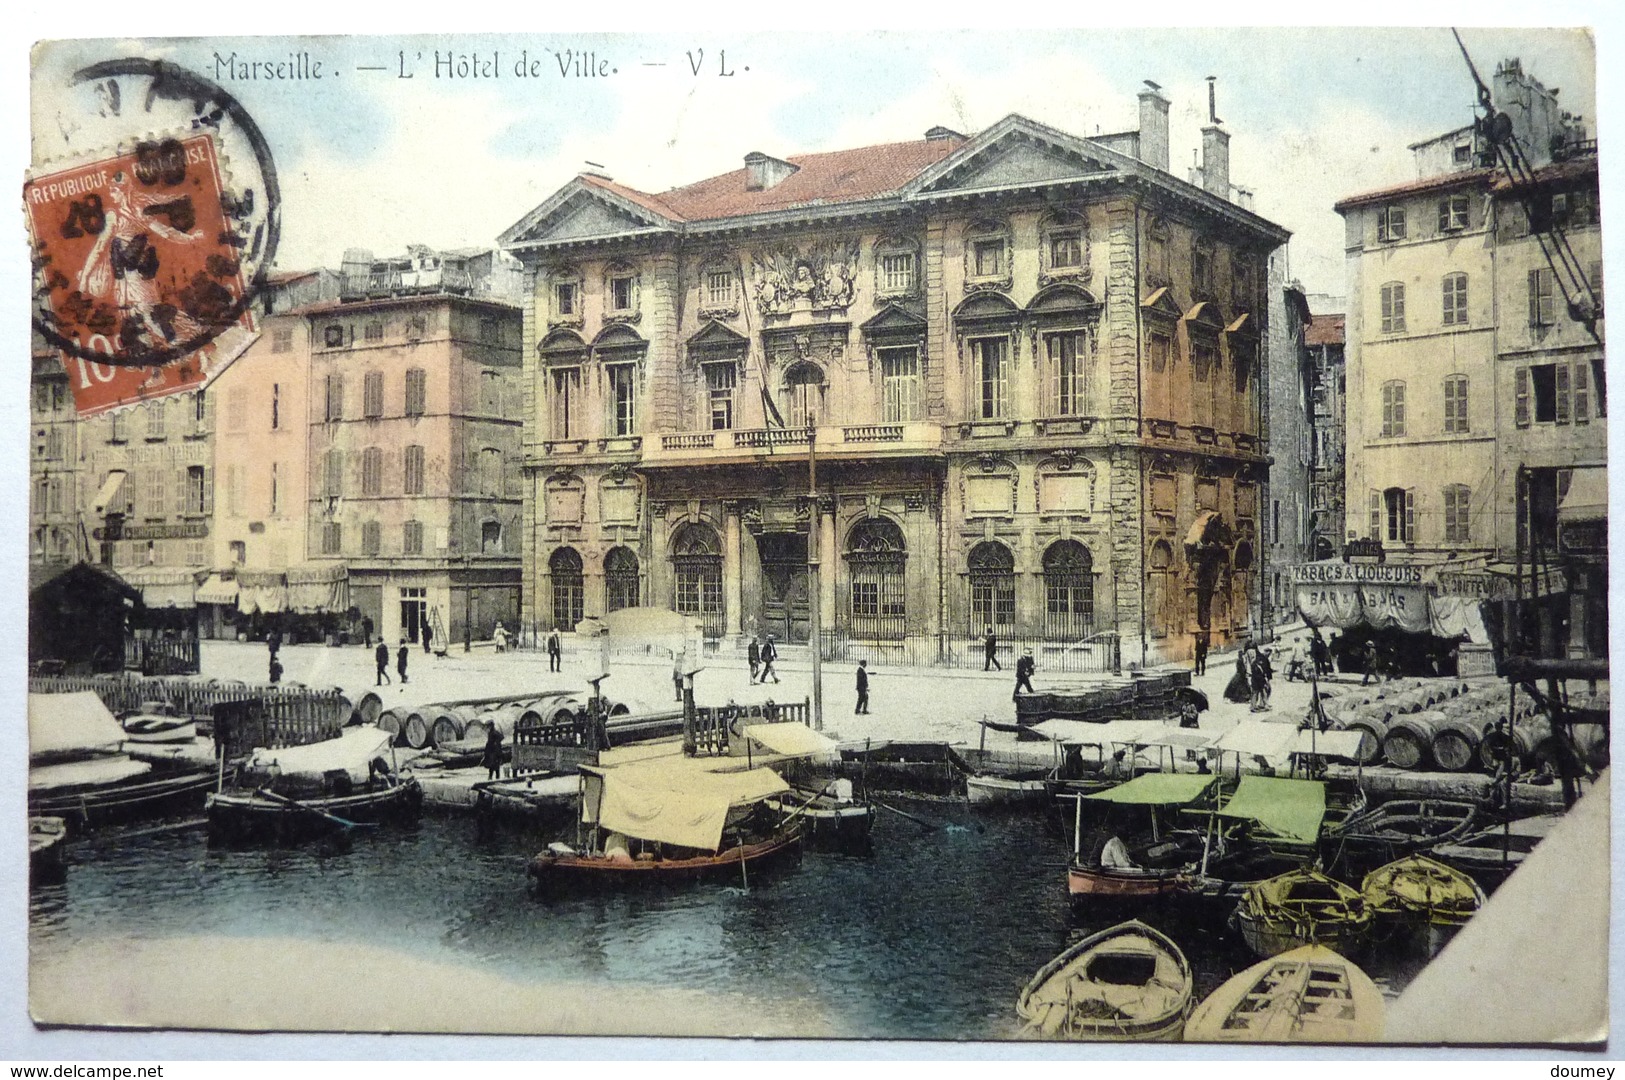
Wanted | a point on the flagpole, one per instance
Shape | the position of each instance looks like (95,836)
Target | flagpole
(815,585)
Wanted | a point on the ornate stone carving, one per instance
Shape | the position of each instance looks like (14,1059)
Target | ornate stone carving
(914,501)
(623,318)
(786,278)
(657,508)
(1002,284)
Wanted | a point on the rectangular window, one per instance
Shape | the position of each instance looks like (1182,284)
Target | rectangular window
(157,491)
(1463,153)
(900,384)
(373,330)
(237,411)
(1457,499)
(417,392)
(992,376)
(1065,250)
(412,470)
(1202,270)
(1400,504)
(157,414)
(333,473)
(1453,213)
(372,395)
(417,326)
(275,492)
(276,406)
(1455,300)
(1542,310)
(1162,347)
(282,339)
(564,298)
(623,398)
(234,505)
(1393,308)
(371,538)
(1393,410)
(121,426)
(1543,387)
(719,288)
(1455,405)
(1563,397)
(988,258)
(1391,223)
(620,294)
(372,471)
(563,399)
(412,538)
(897,272)
(332,538)
(1582,392)
(1067,358)
(197,490)
(720,380)
(335,397)
(1206,358)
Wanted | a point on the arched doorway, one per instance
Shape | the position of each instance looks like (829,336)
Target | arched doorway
(620,579)
(696,559)
(1069,591)
(803,393)
(568,591)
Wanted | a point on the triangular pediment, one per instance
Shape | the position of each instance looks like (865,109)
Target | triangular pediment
(1244,325)
(1161,302)
(1205,316)
(1015,152)
(583,211)
(893,319)
(714,338)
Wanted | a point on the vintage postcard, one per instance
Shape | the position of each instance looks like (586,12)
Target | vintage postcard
(946,536)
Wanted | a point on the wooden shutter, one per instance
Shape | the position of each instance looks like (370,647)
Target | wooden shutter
(1376,514)
(1582,391)
(1534,298)
(1410,515)
(1520,410)
(1562,393)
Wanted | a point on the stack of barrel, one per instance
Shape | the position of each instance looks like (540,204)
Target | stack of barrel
(466,727)
(1449,724)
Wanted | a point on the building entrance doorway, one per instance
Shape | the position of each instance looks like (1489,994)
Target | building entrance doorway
(414,612)
(785,605)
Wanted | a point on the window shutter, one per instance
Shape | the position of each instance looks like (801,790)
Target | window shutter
(1520,410)
(183,491)
(1562,393)
(1376,514)
(208,489)
(1534,298)
(1582,392)
(1410,515)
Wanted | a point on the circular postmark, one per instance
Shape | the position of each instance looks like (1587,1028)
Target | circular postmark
(150,243)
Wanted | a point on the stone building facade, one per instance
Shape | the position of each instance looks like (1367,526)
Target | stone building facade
(55,538)
(1028,366)
(1323,338)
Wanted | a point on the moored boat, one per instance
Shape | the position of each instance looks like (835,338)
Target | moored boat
(990,791)
(1491,854)
(1136,844)
(1418,887)
(288,795)
(1129,983)
(831,816)
(45,839)
(1307,995)
(1302,907)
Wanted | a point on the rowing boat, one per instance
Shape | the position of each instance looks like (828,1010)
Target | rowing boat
(1308,995)
(1301,907)
(1129,983)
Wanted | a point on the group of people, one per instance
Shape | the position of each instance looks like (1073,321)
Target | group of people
(381,656)
(762,655)
(1251,682)
(1025,665)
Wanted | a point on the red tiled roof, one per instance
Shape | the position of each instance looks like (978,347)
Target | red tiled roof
(1417,187)
(1324,330)
(836,177)
(1585,165)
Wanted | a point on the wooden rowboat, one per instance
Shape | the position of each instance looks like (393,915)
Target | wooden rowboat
(1419,888)
(562,867)
(1308,995)
(45,838)
(263,816)
(1129,983)
(1302,907)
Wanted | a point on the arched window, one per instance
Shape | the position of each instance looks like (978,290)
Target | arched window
(620,579)
(565,567)
(875,555)
(992,587)
(803,393)
(1069,591)
(696,557)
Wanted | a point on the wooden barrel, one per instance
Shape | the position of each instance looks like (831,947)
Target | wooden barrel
(477,729)
(504,720)
(1455,742)
(1409,740)
(1526,735)
(389,720)
(416,729)
(446,727)
(1371,732)
(370,707)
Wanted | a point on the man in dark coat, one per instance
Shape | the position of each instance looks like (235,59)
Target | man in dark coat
(366,631)
(990,650)
(273,642)
(381,655)
(1024,672)
(770,656)
(428,636)
(1201,652)
(492,757)
(400,660)
(555,650)
(863,689)
(754,656)
(1318,653)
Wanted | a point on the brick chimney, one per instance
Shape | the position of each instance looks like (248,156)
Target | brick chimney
(1154,127)
(763,172)
(1216,161)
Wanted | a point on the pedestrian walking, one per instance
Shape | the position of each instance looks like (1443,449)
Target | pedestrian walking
(754,656)
(428,637)
(381,655)
(1259,680)
(492,757)
(770,656)
(990,649)
(1201,652)
(555,650)
(400,661)
(366,631)
(863,689)
(1319,653)
(1024,673)
(1240,688)
(500,636)
(273,642)
(276,670)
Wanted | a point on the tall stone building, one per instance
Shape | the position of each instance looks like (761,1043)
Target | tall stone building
(1292,434)
(55,537)
(1475,373)
(1028,365)
(1323,338)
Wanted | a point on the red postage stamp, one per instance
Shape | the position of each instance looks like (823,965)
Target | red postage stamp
(138,268)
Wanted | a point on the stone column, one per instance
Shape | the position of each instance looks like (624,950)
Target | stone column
(732,602)
(829,560)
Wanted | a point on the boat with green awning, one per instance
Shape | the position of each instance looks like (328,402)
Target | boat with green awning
(1135,839)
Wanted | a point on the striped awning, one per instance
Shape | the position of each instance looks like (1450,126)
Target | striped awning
(217,590)
(163,586)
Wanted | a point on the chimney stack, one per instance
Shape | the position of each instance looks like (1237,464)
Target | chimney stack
(1216,161)
(1154,127)
(763,172)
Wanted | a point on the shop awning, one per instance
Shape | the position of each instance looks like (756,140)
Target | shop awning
(319,586)
(1337,744)
(109,492)
(163,586)
(261,590)
(1586,499)
(217,590)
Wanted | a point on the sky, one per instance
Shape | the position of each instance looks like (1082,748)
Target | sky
(371,159)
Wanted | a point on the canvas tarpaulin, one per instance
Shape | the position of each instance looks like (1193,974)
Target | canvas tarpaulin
(791,739)
(1158,789)
(352,751)
(321,586)
(163,586)
(1338,744)
(1289,808)
(1341,595)
(261,590)
(672,805)
(216,590)
(76,723)
(96,772)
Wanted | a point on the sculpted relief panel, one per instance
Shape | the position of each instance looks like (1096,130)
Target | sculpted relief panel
(787,279)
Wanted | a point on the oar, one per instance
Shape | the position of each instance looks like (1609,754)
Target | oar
(297,805)
(903,813)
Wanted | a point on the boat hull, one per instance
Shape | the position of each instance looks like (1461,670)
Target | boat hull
(987,792)
(1128,983)
(550,872)
(116,804)
(46,862)
(1308,995)
(1272,937)
(1085,884)
(251,818)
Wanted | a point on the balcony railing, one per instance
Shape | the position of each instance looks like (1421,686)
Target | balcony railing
(754,437)
(872,433)
(693,440)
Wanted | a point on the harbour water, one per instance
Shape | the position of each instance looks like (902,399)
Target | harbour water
(929,937)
